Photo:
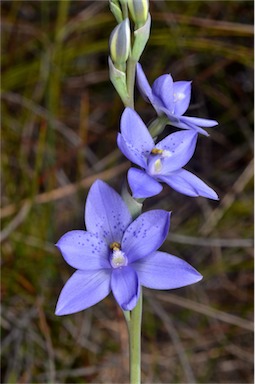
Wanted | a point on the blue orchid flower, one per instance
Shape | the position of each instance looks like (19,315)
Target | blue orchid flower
(162,162)
(117,254)
(171,98)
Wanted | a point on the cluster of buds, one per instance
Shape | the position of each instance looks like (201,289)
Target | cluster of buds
(122,44)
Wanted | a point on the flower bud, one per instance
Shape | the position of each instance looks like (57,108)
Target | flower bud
(139,10)
(119,80)
(120,43)
(116,10)
(141,36)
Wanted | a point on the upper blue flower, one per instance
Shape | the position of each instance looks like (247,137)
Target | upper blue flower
(162,162)
(171,98)
(117,254)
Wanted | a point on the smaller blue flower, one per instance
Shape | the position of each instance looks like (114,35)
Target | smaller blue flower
(171,98)
(162,162)
(117,254)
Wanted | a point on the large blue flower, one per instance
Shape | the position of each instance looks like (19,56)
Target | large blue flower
(171,98)
(162,162)
(117,254)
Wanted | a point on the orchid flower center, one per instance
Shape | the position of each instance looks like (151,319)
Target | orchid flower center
(118,258)
(155,166)
(156,151)
(162,152)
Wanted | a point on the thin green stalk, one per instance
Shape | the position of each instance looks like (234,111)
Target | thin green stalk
(131,68)
(158,125)
(134,317)
(134,321)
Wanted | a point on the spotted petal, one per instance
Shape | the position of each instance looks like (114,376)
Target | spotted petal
(106,214)
(146,234)
(180,146)
(83,250)
(135,132)
(83,290)
(131,152)
(163,271)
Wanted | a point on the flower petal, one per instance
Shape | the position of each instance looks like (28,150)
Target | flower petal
(106,214)
(141,184)
(207,123)
(131,152)
(83,250)
(146,234)
(142,83)
(163,271)
(181,146)
(83,290)
(135,132)
(185,182)
(162,90)
(182,94)
(179,123)
(125,287)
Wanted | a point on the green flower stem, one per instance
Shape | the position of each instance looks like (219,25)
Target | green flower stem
(158,125)
(134,321)
(134,317)
(131,68)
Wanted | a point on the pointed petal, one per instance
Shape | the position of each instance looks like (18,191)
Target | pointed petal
(180,147)
(146,234)
(179,123)
(131,152)
(142,83)
(162,90)
(206,123)
(163,271)
(83,290)
(125,287)
(182,94)
(185,182)
(106,214)
(83,250)
(141,184)
(135,132)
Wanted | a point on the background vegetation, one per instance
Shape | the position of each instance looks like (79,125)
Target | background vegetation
(60,117)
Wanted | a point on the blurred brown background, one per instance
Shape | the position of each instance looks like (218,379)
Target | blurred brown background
(60,117)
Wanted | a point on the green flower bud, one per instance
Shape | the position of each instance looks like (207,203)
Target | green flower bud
(139,10)
(141,37)
(119,80)
(116,10)
(120,43)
